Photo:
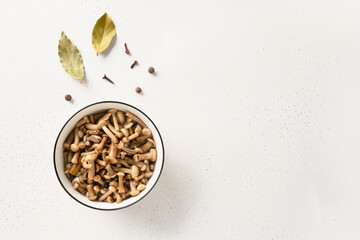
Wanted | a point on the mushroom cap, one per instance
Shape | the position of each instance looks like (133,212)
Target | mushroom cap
(138,150)
(112,188)
(102,123)
(136,157)
(143,168)
(74,147)
(121,174)
(134,171)
(97,188)
(66,146)
(91,126)
(89,187)
(120,145)
(81,145)
(141,187)
(107,177)
(97,178)
(93,198)
(152,141)
(91,157)
(86,165)
(153,154)
(138,129)
(125,132)
(112,110)
(134,193)
(146,131)
(121,117)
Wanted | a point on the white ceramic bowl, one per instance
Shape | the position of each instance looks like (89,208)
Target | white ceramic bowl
(69,126)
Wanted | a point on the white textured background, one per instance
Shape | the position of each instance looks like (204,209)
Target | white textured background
(258,103)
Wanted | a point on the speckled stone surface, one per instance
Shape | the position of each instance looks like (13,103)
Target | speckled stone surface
(258,104)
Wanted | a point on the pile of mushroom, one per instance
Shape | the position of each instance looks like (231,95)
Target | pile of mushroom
(110,156)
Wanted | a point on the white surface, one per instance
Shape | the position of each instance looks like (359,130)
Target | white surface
(258,103)
(59,155)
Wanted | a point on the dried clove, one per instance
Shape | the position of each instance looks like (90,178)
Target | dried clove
(133,65)
(68,97)
(151,70)
(108,79)
(138,90)
(127,51)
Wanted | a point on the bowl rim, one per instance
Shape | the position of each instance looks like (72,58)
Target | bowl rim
(111,209)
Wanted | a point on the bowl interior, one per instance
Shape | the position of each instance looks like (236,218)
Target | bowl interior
(69,126)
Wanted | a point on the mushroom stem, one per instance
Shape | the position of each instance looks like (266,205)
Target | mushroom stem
(150,155)
(103,197)
(125,170)
(147,173)
(92,147)
(70,156)
(130,161)
(91,194)
(74,147)
(101,163)
(121,182)
(113,112)
(136,119)
(98,115)
(134,192)
(99,180)
(84,120)
(126,149)
(75,158)
(133,136)
(112,154)
(116,132)
(68,141)
(91,173)
(149,144)
(91,118)
(87,153)
(104,118)
(65,156)
(117,195)
(108,132)
(139,177)
(109,170)
(100,147)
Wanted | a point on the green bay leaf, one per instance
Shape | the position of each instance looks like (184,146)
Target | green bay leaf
(103,32)
(70,58)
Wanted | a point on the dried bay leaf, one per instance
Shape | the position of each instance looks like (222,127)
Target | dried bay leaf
(70,58)
(103,32)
